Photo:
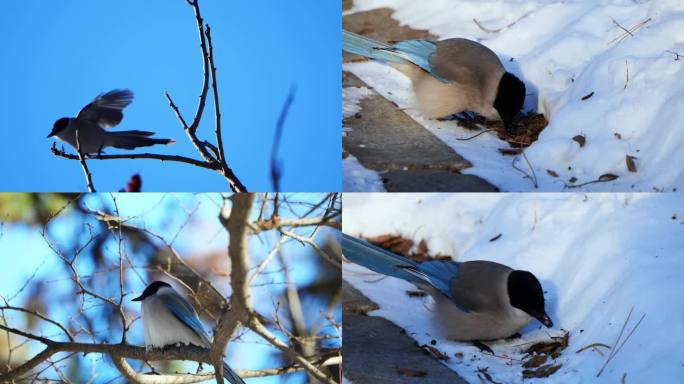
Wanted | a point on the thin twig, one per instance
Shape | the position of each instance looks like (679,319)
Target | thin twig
(476,135)
(626,75)
(621,27)
(628,32)
(217,111)
(489,30)
(192,134)
(616,348)
(677,55)
(533,177)
(154,156)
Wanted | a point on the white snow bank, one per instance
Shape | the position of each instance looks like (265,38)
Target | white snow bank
(357,178)
(565,51)
(596,255)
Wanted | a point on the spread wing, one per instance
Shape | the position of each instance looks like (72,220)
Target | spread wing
(106,109)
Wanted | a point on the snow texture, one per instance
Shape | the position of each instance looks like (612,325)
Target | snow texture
(565,51)
(596,255)
(357,178)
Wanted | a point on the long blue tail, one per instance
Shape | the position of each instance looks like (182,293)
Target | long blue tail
(364,46)
(417,52)
(231,376)
(377,259)
(437,273)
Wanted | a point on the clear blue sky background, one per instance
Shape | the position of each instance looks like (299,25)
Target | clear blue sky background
(58,55)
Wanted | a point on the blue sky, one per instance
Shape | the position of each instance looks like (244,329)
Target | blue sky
(59,55)
(165,215)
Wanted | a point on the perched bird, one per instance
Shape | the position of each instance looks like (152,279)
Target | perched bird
(449,76)
(103,112)
(169,319)
(474,300)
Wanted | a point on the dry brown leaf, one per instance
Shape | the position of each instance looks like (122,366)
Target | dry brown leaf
(394,243)
(422,248)
(487,376)
(607,177)
(535,361)
(435,352)
(631,165)
(572,180)
(552,348)
(552,173)
(543,371)
(361,309)
(580,139)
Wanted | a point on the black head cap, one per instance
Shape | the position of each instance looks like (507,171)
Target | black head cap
(509,98)
(59,125)
(526,294)
(151,290)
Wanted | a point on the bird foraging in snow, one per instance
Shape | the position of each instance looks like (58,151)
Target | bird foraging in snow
(449,76)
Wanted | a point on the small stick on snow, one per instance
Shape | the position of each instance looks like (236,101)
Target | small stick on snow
(615,350)
(621,27)
(488,30)
(474,136)
(626,75)
(526,175)
(629,32)
(593,345)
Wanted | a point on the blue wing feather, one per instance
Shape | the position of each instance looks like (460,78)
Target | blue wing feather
(438,273)
(417,52)
(184,312)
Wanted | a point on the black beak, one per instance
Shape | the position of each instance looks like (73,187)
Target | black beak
(546,320)
(51,134)
(139,298)
(508,125)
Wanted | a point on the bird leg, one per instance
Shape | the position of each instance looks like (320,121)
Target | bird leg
(482,346)
(99,150)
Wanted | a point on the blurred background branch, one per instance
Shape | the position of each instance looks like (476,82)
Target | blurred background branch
(71,263)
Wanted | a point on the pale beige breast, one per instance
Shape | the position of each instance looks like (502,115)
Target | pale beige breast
(473,72)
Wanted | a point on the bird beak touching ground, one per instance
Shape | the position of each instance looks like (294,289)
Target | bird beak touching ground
(546,320)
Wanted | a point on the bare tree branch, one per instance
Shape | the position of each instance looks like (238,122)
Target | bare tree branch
(302,347)
(81,159)
(154,156)
(214,156)
(234,218)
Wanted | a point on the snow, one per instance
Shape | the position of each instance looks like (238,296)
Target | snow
(564,51)
(355,177)
(596,256)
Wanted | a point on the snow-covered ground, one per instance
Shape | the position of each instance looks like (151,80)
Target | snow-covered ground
(596,255)
(565,50)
